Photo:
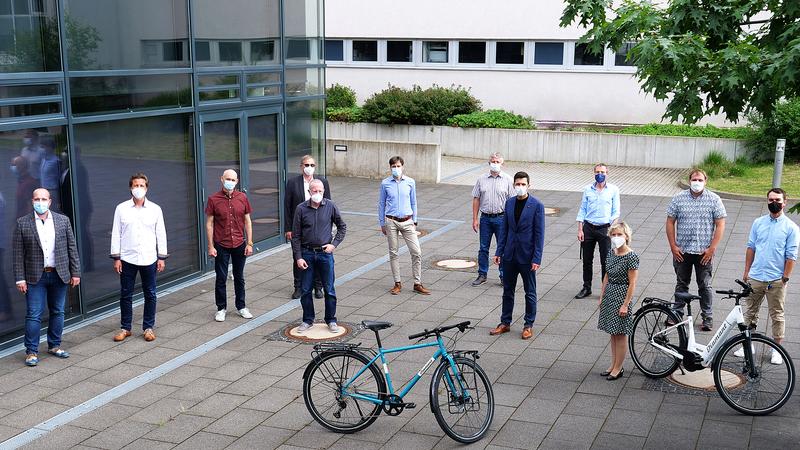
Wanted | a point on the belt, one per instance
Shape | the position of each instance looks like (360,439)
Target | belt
(49,269)
(398,219)
(597,226)
(313,249)
(483,214)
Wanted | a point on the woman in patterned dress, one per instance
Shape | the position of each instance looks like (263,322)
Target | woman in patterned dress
(616,296)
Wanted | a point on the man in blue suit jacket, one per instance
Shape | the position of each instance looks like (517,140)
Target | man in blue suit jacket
(520,252)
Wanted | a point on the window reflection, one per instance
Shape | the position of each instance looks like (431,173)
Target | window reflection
(129,93)
(29,36)
(237,32)
(263,190)
(305,133)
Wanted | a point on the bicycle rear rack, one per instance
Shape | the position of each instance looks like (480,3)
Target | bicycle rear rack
(323,347)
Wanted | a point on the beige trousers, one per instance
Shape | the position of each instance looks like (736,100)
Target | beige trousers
(775,291)
(408,230)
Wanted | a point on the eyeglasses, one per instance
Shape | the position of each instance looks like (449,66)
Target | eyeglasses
(310,165)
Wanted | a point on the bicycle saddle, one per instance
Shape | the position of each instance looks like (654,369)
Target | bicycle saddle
(686,296)
(375,325)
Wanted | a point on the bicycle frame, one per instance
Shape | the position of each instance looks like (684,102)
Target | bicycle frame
(441,352)
(706,352)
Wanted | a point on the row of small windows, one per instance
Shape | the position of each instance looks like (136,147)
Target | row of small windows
(507,53)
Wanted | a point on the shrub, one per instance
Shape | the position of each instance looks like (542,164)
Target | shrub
(493,118)
(340,96)
(783,124)
(717,166)
(353,114)
(709,131)
(417,106)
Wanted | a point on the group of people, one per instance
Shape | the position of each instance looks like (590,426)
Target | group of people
(695,223)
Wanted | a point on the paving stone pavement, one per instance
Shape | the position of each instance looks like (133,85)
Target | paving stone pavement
(246,393)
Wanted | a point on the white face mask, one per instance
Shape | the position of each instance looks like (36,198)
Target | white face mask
(228,185)
(316,198)
(617,241)
(697,186)
(520,190)
(309,171)
(495,167)
(397,172)
(138,192)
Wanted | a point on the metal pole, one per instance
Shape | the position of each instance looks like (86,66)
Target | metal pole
(780,148)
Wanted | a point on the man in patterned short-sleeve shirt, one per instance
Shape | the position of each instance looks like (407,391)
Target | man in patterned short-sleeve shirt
(695,223)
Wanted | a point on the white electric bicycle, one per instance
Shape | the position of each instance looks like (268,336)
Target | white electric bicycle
(750,384)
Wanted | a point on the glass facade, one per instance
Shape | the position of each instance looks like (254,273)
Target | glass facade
(178,89)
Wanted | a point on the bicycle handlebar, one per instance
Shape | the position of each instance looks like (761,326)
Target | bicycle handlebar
(436,331)
(746,290)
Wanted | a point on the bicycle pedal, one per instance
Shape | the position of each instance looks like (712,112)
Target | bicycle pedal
(410,405)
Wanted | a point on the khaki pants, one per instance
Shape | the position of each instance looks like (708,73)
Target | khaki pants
(775,292)
(409,233)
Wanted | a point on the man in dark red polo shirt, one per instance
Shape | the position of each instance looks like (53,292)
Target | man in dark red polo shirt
(227,222)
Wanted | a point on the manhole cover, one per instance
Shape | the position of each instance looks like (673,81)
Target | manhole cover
(265,220)
(550,211)
(704,379)
(319,332)
(456,263)
(264,191)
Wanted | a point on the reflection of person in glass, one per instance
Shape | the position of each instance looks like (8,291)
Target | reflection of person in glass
(85,244)
(32,151)
(25,185)
(227,225)
(50,170)
(45,263)
(5,301)
(138,245)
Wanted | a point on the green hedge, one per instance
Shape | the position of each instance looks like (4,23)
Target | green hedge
(493,118)
(783,124)
(417,106)
(353,114)
(708,131)
(340,96)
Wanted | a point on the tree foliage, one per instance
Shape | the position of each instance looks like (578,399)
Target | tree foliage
(703,56)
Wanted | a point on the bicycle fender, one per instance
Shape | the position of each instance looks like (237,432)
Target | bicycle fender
(729,341)
(317,357)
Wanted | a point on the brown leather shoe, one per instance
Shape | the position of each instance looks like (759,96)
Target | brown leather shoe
(420,289)
(149,335)
(527,333)
(119,337)
(502,328)
(396,289)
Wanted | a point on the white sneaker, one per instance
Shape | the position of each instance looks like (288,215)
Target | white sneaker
(304,327)
(220,316)
(245,313)
(740,353)
(776,358)
(333,327)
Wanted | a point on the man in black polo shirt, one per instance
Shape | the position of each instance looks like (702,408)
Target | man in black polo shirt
(313,251)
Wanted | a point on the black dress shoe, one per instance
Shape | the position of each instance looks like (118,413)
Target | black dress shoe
(318,293)
(297,293)
(479,281)
(617,377)
(585,292)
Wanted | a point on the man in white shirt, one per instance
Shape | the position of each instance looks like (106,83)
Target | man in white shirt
(138,245)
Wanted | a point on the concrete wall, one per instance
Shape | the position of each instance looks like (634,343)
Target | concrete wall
(370,159)
(546,146)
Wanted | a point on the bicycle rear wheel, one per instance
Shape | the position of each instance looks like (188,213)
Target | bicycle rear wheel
(464,415)
(334,407)
(649,325)
(759,387)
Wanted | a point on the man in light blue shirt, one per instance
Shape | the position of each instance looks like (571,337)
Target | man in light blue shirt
(599,209)
(771,254)
(397,214)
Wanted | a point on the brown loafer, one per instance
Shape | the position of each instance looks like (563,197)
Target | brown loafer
(119,337)
(149,335)
(527,333)
(502,328)
(420,289)
(396,289)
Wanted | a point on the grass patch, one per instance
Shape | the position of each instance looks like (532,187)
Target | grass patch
(744,177)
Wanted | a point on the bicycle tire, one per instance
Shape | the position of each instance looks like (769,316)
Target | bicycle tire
(471,376)
(650,360)
(758,395)
(323,378)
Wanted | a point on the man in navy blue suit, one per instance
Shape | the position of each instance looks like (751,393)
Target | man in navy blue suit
(520,252)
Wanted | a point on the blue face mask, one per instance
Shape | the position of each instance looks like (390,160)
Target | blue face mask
(397,172)
(600,177)
(229,185)
(14,170)
(40,207)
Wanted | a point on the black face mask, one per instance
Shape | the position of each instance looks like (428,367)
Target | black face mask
(775,208)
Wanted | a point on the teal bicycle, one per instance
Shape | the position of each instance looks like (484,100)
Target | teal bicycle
(345,389)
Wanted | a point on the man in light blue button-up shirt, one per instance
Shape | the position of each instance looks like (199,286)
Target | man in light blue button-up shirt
(771,254)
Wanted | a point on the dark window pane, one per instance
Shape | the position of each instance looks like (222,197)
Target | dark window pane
(203,50)
(230,52)
(584,58)
(304,134)
(257,21)
(471,52)
(399,51)
(269,77)
(549,53)
(620,59)
(220,95)
(301,82)
(218,80)
(298,49)
(129,93)
(33,109)
(510,53)
(264,189)
(36,90)
(38,6)
(107,153)
(435,51)
(29,43)
(334,50)
(173,51)
(121,34)
(365,50)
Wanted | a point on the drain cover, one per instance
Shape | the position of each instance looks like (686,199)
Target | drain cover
(265,220)
(319,332)
(704,379)
(264,191)
(456,263)
(550,211)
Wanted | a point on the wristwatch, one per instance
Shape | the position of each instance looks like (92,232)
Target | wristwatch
(785,279)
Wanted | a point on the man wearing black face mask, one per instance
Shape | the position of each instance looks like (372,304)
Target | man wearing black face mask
(771,254)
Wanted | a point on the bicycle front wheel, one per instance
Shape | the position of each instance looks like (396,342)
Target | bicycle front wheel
(333,405)
(648,329)
(755,387)
(462,403)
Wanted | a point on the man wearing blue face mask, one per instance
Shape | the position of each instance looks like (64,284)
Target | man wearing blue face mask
(599,209)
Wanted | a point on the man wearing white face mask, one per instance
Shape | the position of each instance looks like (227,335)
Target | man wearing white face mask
(138,245)
(297,192)
(695,224)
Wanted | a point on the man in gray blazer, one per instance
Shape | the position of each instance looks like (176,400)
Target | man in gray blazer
(45,263)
